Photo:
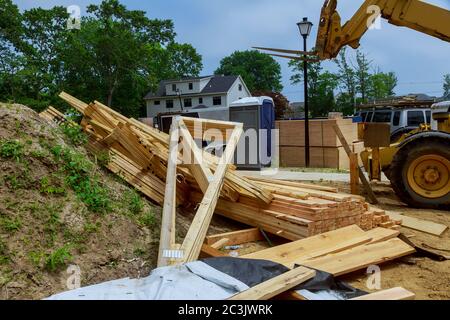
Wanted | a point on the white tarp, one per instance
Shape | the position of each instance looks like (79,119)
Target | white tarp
(192,281)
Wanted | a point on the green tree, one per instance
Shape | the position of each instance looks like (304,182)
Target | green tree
(321,86)
(116,56)
(282,107)
(382,85)
(446,84)
(363,76)
(259,71)
(347,84)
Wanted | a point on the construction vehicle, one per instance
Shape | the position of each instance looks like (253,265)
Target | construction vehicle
(418,165)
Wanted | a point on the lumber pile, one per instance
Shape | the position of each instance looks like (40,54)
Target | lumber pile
(139,154)
(326,150)
(340,251)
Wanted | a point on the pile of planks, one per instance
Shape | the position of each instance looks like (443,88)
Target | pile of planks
(326,151)
(139,154)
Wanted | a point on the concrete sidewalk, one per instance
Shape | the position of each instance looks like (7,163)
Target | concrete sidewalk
(281,174)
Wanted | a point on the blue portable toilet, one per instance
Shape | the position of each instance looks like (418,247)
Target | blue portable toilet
(254,150)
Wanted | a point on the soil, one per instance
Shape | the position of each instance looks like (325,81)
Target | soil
(427,278)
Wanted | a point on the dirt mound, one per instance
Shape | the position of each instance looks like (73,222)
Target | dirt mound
(58,208)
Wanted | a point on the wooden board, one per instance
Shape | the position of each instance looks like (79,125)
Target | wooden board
(389,294)
(277,285)
(360,257)
(289,253)
(419,224)
(237,237)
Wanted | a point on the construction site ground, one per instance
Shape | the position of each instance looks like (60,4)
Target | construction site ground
(44,229)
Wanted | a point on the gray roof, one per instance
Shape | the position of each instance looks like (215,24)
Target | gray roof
(217,84)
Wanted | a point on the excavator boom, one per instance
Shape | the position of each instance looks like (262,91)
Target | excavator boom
(414,14)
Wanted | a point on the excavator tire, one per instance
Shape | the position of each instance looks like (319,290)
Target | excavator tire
(420,174)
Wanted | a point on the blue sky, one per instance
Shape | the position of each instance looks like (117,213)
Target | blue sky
(217,28)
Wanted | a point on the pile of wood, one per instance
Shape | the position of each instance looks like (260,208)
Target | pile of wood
(139,154)
(326,151)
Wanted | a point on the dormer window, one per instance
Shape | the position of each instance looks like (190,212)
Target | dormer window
(191,86)
(174,87)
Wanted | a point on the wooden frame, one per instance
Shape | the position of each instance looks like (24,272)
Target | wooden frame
(211,185)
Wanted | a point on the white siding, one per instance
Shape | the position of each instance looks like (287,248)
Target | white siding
(153,110)
(234,93)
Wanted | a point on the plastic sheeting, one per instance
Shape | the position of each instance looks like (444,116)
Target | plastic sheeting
(210,279)
(192,281)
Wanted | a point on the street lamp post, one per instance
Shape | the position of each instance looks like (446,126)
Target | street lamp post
(305,27)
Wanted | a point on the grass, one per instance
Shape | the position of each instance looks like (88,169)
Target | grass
(74,133)
(147,219)
(317,170)
(11,149)
(49,186)
(4,257)
(10,225)
(58,258)
(134,201)
(79,177)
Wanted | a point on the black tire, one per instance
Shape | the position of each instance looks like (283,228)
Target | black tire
(399,168)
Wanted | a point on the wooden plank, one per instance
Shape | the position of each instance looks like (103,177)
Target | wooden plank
(220,243)
(389,294)
(237,237)
(354,174)
(210,252)
(347,149)
(295,184)
(277,285)
(288,254)
(419,224)
(381,234)
(360,257)
(199,227)
(197,165)
(167,238)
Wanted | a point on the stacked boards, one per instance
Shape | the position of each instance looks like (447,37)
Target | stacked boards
(325,148)
(139,154)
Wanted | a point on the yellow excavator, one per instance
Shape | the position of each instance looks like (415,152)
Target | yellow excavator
(418,165)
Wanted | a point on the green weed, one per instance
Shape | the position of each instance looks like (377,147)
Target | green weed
(58,258)
(11,149)
(134,201)
(74,133)
(10,225)
(147,219)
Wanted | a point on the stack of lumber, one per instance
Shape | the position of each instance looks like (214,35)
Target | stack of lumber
(139,154)
(339,252)
(52,114)
(302,210)
(326,150)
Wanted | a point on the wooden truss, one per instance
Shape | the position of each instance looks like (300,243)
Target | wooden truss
(210,183)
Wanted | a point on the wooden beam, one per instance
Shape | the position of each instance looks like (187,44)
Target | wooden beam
(347,149)
(354,174)
(198,166)
(429,227)
(237,237)
(210,252)
(167,239)
(277,285)
(389,294)
(197,231)
(220,243)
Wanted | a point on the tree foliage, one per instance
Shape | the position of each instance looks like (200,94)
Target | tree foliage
(116,56)
(259,70)
(356,81)
(446,85)
(282,107)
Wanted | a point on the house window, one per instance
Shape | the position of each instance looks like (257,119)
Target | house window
(157,102)
(174,87)
(169,104)
(188,103)
(240,87)
(200,100)
(191,86)
(217,101)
